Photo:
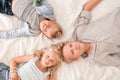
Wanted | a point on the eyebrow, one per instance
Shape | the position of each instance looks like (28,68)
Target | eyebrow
(70,47)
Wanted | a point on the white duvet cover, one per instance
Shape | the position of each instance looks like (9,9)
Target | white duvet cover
(66,12)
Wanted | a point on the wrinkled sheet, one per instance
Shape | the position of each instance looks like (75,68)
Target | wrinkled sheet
(66,12)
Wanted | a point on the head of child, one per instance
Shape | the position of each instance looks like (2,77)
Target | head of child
(50,28)
(51,58)
(48,25)
(72,51)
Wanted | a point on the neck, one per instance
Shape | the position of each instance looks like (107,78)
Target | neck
(88,47)
(40,66)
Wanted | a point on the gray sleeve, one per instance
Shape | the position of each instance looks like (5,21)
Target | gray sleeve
(83,18)
(30,15)
(18,32)
(25,10)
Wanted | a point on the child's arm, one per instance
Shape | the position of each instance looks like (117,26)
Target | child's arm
(15,62)
(85,16)
(19,32)
(91,4)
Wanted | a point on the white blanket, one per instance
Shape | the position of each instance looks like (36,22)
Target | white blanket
(66,12)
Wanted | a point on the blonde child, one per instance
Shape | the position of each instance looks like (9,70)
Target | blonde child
(98,42)
(34,20)
(42,65)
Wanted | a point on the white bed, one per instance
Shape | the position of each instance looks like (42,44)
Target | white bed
(66,12)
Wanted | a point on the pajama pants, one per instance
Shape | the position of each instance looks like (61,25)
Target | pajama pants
(5,7)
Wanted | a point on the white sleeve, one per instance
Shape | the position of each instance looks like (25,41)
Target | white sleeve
(19,32)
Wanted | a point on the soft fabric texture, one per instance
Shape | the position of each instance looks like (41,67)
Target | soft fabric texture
(29,71)
(46,10)
(5,7)
(4,72)
(22,31)
(66,12)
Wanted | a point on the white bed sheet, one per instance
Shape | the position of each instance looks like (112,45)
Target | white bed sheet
(66,12)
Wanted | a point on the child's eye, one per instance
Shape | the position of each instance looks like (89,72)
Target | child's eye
(47,56)
(52,60)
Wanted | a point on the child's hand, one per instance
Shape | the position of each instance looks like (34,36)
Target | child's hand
(91,4)
(14,76)
(13,73)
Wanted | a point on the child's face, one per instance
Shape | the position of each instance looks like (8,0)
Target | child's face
(73,50)
(49,58)
(47,27)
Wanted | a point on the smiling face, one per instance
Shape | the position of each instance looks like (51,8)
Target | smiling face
(73,50)
(49,28)
(49,58)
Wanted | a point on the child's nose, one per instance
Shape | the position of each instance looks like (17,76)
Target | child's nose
(48,60)
(74,47)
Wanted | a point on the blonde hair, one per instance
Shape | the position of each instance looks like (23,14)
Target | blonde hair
(59,33)
(65,59)
(58,49)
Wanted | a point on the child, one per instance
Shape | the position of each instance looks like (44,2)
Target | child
(34,20)
(42,65)
(96,43)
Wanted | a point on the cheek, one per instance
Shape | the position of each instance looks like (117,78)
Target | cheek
(43,58)
(43,61)
(50,31)
(43,26)
(78,53)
